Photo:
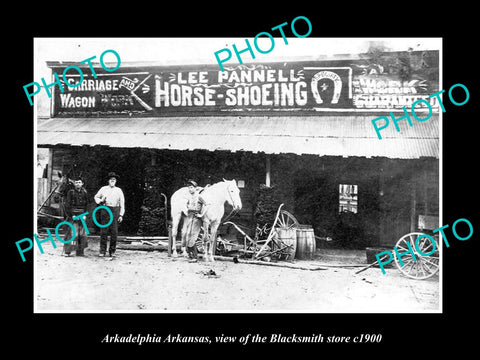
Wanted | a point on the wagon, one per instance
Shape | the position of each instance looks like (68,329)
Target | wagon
(423,266)
(280,242)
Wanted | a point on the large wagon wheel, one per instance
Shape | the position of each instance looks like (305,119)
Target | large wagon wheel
(286,220)
(424,266)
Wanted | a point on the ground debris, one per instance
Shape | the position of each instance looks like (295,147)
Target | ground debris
(209,273)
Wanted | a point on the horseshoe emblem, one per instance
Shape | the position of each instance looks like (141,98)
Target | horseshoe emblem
(337,82)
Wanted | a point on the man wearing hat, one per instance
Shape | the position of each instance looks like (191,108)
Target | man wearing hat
(75,204)
(193,211)
(112,197)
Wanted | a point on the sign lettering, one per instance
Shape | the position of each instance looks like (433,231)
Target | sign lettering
(306,88)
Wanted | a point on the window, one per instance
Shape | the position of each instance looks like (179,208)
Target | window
(348,198)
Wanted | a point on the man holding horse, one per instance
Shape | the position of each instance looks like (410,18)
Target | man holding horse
(194,210)
(76,204)
(215,197)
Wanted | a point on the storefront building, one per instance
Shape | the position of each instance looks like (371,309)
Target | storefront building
(301,128)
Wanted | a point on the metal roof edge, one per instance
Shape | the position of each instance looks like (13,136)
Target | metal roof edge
(311,58)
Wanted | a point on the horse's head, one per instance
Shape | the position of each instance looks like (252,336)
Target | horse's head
(233,197)
(64,185)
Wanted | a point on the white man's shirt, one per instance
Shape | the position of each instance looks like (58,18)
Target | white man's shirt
(113,197)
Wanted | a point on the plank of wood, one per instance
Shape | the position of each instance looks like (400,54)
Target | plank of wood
(266,263)
(144,247)
(369,266)
(298,266)
(138,238)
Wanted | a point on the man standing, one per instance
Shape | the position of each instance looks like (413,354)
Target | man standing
(112,197)
(194,211)
(76,204)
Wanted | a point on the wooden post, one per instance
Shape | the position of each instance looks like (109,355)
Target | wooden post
(153,158)
(413,208)
(381,194)
(50,169)
(425,189)
(267,174)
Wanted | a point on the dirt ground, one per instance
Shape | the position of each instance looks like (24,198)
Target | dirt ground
(153,282)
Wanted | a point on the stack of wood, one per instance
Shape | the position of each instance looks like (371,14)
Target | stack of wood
(153,211)
(152,221)
(267,205)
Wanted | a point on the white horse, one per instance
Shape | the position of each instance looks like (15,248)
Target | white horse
(215,197)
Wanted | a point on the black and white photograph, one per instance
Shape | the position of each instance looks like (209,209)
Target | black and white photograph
(184,184)
(220,180)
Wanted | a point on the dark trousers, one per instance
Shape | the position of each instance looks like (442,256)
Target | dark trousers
(192,251)
(111,230)
(80,242)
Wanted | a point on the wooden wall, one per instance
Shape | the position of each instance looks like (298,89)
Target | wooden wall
(391,193)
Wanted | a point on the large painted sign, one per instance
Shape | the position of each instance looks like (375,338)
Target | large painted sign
(274,88)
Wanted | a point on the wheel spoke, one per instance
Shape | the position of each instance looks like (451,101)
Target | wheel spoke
(429,267)
(403,248)
(430,262)
(421,266)
(412,241)
(409,269)
(409,261)
(418,267)
(413,269)
(424,267)
(280,222)
(422,248)
(287,220)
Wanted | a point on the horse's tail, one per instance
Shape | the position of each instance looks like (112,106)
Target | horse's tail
(177,200)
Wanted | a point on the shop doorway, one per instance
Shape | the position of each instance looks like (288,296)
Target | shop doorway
(340,200)
(316,201)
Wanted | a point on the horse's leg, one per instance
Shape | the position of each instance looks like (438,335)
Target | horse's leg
(186,230)
(175,221)
(213,239)
(205,239)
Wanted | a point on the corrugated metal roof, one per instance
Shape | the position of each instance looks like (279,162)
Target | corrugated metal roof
(334,135)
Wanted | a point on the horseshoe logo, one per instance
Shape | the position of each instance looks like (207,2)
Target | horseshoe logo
(337,82)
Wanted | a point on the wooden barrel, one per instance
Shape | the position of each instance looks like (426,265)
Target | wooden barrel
(288,237)
(306,244)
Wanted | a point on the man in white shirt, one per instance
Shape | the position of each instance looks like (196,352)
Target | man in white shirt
(112,197)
